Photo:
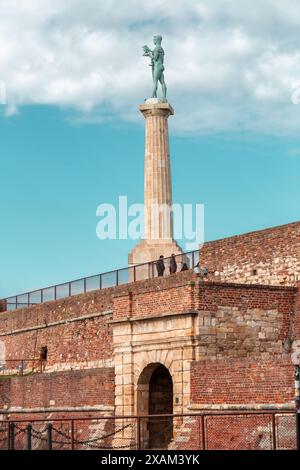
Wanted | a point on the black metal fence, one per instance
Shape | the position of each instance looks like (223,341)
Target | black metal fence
(249,430)
(118,277)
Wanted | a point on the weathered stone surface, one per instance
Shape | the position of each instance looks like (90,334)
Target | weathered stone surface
(270,256)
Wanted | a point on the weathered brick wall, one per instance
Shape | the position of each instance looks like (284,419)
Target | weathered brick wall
(84,340)
(242,321)
(296,318)
(75,329)
(237,432)
(241,337)
(75,388)
(233,321)
(269,256)
(238,328)
(242,381)
(154,301)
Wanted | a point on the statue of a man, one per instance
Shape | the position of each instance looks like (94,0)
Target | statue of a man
(157,63)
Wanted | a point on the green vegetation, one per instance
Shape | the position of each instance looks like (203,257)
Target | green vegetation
(7,377)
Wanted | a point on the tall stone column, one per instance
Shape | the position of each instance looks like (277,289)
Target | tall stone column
(158,220)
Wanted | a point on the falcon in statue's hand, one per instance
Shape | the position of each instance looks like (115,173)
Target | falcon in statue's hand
(147,51)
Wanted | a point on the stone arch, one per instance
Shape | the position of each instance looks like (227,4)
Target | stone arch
(155,397)
(164,357)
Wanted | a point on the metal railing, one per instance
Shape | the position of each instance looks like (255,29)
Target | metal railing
(248,430)
(114,278)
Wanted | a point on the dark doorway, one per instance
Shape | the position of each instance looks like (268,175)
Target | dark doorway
(160,402)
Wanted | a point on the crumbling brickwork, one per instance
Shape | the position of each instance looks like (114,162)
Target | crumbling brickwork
(72,389)
(269,256)
(242,321)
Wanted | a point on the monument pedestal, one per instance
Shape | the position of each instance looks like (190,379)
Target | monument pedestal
(150,250)
(158,218)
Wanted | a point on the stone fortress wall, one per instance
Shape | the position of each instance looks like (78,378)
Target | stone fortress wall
(225,340)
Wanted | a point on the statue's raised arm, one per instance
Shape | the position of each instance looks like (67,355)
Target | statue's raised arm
(147,51)
(157,62)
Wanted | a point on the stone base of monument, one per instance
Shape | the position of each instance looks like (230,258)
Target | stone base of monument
(150,250)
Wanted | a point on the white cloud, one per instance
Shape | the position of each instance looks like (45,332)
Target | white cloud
(230,64)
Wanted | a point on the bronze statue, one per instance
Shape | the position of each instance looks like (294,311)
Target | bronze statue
(157,64)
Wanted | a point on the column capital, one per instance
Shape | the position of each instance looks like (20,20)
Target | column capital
(156,108)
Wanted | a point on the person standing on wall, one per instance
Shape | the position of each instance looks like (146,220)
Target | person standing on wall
(160,266)
(173,264)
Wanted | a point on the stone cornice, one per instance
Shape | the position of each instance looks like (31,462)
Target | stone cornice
(241,407)
(154,317)
(58,409)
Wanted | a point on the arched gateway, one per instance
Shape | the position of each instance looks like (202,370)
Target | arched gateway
(155,397)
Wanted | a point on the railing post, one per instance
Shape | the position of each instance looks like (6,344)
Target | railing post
(193,260)
(8,435)
(203,432)
(3,304)
(72,435)
(134,273)
(11,445)
(138,433)
(298,429)
(274,431)
(199,433)
(28,437)
(297,400)
(49,436)
(117,277)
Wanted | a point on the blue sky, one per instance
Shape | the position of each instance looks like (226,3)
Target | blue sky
(71,136)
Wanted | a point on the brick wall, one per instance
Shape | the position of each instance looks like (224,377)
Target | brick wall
(296,319)
(269,256)
(233,321)
(238,339)
(75,329)
(154,301)
(61,389)
(237,431)
(86,340)
(242,381)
